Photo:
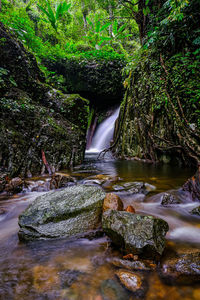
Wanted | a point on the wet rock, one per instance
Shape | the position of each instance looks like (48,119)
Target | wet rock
(133,282)
(127,264)
(14,186)
(130,209)
(60,180)
(135,233)
(182,269)
(193,186)
(196,211)
(169,199)
(134,187)
(112,201)
(73,211)
(112,290)
(2,211)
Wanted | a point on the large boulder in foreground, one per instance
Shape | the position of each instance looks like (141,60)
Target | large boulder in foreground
(70,212)
(135,233)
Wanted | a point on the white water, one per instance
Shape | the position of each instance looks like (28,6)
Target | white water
(104,133)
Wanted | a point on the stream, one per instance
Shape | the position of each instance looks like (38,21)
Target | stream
(81,269)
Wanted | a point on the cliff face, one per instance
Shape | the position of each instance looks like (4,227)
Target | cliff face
(159,118)
(36,121)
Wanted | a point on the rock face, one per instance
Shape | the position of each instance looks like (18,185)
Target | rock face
(184,268)
(66,213)
(112,201)
(34,118)
(135,233)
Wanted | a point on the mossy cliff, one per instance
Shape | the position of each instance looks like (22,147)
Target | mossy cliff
(35,118)
(99,80)
(159,118)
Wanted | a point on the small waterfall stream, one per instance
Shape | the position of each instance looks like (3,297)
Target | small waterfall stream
(104,133)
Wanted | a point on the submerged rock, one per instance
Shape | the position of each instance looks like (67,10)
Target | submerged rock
(135,233)
(70,212)
(112,290)
(112,201)
(184,268)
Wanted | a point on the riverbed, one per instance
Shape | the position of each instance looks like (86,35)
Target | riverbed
(81,269)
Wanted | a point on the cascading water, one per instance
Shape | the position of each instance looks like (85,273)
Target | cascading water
(104,133)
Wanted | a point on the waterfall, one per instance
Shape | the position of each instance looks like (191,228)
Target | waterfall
(104,133)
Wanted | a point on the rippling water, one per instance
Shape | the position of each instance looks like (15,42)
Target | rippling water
(80,269)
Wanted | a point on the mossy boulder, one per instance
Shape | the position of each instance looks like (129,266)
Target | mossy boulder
(135,233)
(73,211)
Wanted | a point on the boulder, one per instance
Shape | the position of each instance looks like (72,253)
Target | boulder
(73,211)
(135,233)
(169,199)
(193,186)
(112,201)
(130,209)
(196,211)
(182,269)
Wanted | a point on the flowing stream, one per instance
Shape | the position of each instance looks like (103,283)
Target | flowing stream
(80,270)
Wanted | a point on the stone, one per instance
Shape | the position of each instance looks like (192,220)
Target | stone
(130,209)
(127,264)
(182,269)
(133,282)
(68,277)
(169,199)
(193,186)
(196,211)
(112,201)
(59,180)
(135,233)
(14,186)
(134,187)
(73,211)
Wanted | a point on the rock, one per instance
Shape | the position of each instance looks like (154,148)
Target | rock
(112,290)
(133,282)
(14,186)
(134,187)
(60,180)
(196,211)
(130,209)
(169,199)
(73,211)
(135,233)
(3,181)
(127,264)
(182,269)
(112,201)
(193,186)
